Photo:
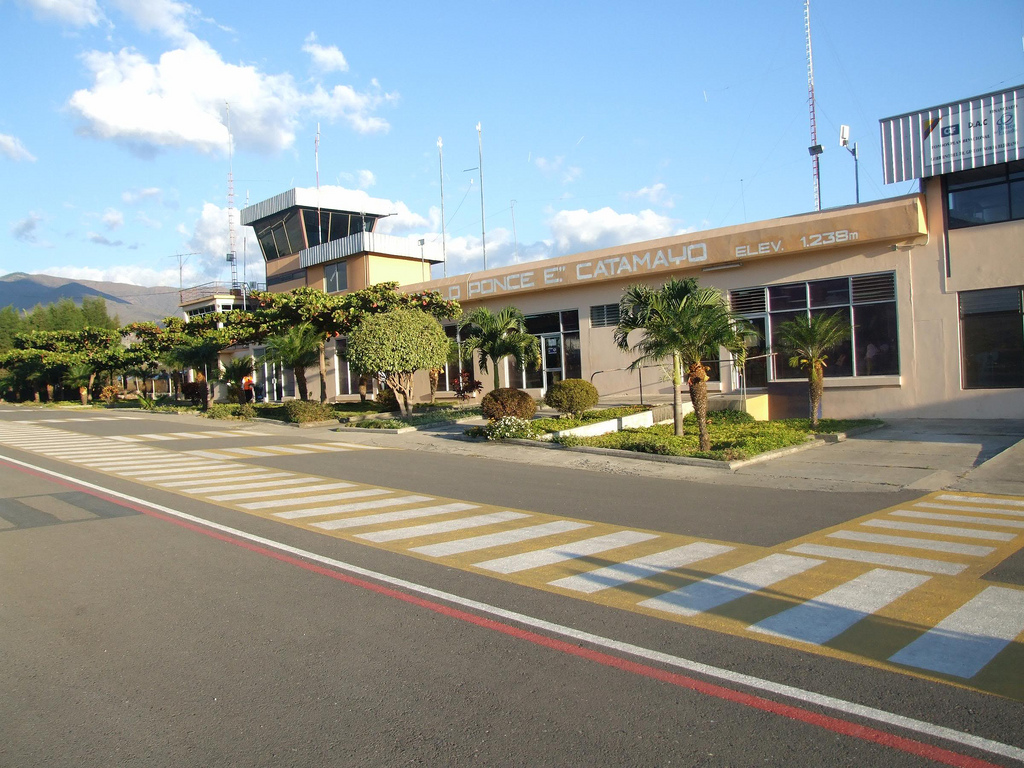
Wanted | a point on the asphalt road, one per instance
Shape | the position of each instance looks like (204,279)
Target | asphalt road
(129,637)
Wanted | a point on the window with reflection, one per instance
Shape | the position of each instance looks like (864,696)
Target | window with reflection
(992,338)
(985,195)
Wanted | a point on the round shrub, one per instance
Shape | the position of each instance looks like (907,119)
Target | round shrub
(387,398)
(571,396)
(303,411)
(505,401)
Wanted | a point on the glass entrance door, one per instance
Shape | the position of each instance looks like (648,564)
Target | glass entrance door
(551,357)
(755,370)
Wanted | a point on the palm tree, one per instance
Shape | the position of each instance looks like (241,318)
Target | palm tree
(297,349)
(81,375)
(495,336)
(200,354)
(808,340)
(234,373)
(688,323)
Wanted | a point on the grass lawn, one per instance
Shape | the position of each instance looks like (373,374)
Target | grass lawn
(590,417)
(430,416)
(734,436)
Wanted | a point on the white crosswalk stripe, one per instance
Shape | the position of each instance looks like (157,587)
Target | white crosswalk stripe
(445,526)
(381,518)
(221,480)
(970,637)
(714,591)
(276,503)
(977,520)
(822,618)
(933,545)
(305,486)
(640,567)
(983,500)
(965,508)
(881,558)
(513,536)
(558,554)
(358,506)
(942,530)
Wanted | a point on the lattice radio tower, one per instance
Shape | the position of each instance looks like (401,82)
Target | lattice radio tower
(815,149)
(231,203)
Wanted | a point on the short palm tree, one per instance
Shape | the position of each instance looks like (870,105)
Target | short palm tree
(688,323)
(199,354)
(808,340)
(234,373)
(81,375)
(495,336)
(297,348)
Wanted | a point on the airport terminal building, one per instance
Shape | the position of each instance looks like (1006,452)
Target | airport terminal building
(932,284)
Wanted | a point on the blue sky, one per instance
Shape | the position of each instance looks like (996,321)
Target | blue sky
(606,123)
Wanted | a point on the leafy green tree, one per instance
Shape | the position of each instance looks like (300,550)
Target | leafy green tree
(688,323)
(81,375)
(808,340)
(495,336)
(10,326)
(94,314)
(297,349)
(397,344)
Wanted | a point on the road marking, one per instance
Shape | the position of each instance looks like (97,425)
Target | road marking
(640,567)
(214,476)
(393,517)
(513,536)
(265,484)
(959,518)
(830,614)
(969,638)
(714,591)
(906,541)
(354,507)
(353,574)
(964,533)
(281,491)
(275,503)
(975,508)
(881,558)
(445,526)
(983,500)
(163,470)
(550,556)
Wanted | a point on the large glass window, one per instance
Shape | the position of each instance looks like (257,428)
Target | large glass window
(985,195)
(336,277)
(992,338)
(866,302)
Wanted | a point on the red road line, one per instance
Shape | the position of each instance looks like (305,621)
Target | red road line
(834,724)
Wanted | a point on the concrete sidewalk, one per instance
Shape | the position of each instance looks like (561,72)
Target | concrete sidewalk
(905,454)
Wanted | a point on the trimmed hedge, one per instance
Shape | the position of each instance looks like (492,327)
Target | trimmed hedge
(303,411)
(573,396)
(499,403)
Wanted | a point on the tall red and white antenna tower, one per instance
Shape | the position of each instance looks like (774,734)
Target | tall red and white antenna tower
(815,149)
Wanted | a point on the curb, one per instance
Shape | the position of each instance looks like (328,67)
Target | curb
(400,431)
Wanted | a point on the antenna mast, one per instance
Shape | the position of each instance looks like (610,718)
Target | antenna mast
(231,201)
(483,221)
(316,160)
(815,149)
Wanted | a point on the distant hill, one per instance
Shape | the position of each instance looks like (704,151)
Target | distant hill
(131,303)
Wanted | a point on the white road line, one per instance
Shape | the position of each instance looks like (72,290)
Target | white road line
(210,454)
(558,554)
(640,567)
(328,447)
(93,453)
(848,708)
(981,500)
(822,618)
(157,469)
(942,530)
(125,439)
(393,517)
(156,436)
(195,474)
(245,451)
(143,464)
(225,476)
(284,449)
(970,637)
(265,485)
(513,536)
(359,447)
(444,526)
(315,499)
(964,508)
(358,506)
(881,558)
(913,543)
(709,593)
(281,491)
(959,518)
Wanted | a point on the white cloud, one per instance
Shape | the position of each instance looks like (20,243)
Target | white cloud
(557,167)
(366,179)
(582,230)
(656,194)
(132,274)
(132,196)
(12,147)
(209,238)
(98,239)
(147,222)
(165,17)
(326,58)
(112,218)
(78,13)
(27,229)
(180,101)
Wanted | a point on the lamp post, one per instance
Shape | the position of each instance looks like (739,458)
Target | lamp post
(844,141)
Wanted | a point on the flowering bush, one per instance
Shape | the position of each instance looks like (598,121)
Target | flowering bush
(510,428)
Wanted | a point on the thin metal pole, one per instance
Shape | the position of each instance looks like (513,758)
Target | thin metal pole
(483,222)
(444,249)
(856,171)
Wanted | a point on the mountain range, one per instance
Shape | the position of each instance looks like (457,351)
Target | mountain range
(131,303)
